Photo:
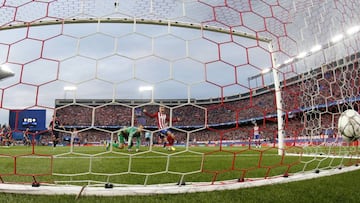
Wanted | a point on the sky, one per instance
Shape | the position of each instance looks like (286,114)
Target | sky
(112,60)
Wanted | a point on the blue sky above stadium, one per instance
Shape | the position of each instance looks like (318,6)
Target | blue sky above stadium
(107,60)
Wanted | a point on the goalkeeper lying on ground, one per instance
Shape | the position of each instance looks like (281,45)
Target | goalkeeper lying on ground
(128,133)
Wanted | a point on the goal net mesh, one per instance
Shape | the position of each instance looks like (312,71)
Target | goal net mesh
(219,68)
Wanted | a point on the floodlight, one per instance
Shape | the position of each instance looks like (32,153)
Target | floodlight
(69,88)
(146,88)
(337,38)
(315,48)
(301,55)
(266,70)
(353,30)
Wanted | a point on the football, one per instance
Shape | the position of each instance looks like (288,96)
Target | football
(349,125)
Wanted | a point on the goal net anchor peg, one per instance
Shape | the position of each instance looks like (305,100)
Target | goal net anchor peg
(181,183)
(109,185)
(35,183)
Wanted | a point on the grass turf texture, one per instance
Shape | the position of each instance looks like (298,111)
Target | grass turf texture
(92,165)
(336,188)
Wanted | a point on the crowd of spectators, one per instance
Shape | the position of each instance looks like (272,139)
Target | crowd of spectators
(191,114)
(208,122)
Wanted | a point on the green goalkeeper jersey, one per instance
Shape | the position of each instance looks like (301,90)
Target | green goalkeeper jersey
(130,131)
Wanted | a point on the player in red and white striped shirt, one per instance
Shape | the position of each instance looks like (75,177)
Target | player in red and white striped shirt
(166,135)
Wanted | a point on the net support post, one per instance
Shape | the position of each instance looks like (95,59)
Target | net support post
(279,108)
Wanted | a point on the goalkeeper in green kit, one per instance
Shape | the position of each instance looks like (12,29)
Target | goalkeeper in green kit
(128,133)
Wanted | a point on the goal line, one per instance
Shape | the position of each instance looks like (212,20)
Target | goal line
(174,188)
